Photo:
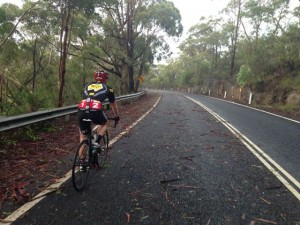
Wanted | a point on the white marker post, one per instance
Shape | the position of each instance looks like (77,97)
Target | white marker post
(250,98)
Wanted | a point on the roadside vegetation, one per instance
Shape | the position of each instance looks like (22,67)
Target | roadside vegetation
(251,44)
(50,48)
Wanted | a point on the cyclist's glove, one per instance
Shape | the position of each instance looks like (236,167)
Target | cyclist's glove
(117,118)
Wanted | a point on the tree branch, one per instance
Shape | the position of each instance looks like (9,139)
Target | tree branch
(19,21)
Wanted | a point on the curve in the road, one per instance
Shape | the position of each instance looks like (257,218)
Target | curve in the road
(287,179)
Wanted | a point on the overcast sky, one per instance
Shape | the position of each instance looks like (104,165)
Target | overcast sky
(191,11)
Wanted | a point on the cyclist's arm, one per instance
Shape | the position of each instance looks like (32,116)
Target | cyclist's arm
(112,102)
(115,108)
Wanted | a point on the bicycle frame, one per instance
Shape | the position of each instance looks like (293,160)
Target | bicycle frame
(80,170)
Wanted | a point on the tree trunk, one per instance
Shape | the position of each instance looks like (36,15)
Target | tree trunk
(124,85)
(130,79)
(1,93)
(141,69)
(130,47)
(235,38)
(63,54)
(34,65)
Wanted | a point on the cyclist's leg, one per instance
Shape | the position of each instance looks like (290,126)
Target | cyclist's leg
(100,119)
(84,128)
(101,129)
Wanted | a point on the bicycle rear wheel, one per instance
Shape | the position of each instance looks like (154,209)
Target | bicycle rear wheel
(80,169)
(101,157)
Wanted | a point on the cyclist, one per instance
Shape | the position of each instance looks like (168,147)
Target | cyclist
(90,106)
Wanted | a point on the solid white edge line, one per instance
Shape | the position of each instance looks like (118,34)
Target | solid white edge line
(260,110)
(254,148)
(23,209)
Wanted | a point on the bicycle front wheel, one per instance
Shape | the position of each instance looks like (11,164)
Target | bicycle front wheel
(80,169)
(103,152)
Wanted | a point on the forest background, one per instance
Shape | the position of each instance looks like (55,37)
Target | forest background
(49,50)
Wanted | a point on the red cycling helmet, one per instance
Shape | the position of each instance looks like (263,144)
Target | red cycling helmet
(100,76)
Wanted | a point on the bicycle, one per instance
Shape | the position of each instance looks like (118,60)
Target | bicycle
(88,155)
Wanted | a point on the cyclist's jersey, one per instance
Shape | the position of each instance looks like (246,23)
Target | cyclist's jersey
(94,95)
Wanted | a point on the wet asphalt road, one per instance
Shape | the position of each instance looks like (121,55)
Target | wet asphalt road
(179,165)
(278,137)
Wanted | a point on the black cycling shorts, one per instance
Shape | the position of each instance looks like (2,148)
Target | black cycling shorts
(98,117)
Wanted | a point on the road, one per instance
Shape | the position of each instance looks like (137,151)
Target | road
(183,164)
(276,136)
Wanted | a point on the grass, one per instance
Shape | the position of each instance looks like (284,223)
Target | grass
(291,82)
(288,107)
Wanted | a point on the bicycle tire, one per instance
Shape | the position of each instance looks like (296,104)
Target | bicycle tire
(80,170)
(101,156)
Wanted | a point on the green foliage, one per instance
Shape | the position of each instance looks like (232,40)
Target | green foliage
(267,43)
(292,82)
(166,16)
(267,48)
(31,134)
(288,107)
(245,76)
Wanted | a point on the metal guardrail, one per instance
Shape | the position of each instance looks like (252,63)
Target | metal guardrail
(30,118)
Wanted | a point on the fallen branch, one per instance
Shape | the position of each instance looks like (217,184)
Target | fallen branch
(189,158)
(128,217)
(208,222)
(169,181)
(185,186)
(265,201)
(265,221)
(166,196)
(123,165)
(234,188)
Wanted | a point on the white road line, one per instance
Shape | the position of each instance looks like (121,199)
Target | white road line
(246,106)
(259,153)
(23,209)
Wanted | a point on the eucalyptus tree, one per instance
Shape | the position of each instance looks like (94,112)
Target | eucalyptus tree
(132,30)
(35,37)
(263,24)
(67,10)
(166,76)
(55,19)
(204,48)
(9,52)
(233,10)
